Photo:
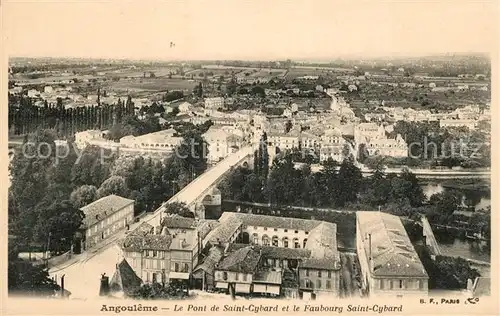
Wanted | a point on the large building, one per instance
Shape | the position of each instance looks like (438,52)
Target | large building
(214,103)
(390,266)
(167,252)
(373,137)
(221,143)
(104,217)
(165,140)
(274,249)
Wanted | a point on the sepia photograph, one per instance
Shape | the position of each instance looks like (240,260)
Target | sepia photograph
(283,157)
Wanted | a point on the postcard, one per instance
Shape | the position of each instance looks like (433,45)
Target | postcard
(249,157)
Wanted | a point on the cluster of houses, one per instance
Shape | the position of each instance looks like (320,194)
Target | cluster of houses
(467,116)
(257,255)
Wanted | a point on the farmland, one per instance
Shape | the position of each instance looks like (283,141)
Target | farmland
(150,84)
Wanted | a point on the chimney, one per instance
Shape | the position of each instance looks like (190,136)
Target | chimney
(183,243)
(104,289)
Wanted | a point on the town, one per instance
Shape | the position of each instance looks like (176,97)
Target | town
(358,178)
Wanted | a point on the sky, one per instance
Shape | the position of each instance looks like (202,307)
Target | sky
(243,29)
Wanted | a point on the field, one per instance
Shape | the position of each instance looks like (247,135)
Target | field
(151,84)
(299,72)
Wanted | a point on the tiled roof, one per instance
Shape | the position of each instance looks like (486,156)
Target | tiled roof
(276,221)
(103,208)
(206,226)
(157,242)
(211,260)
(176,221)
(392,251)
(244,260)
(131,243)
(124,278)
(269,252)
(142,230)
(229,223)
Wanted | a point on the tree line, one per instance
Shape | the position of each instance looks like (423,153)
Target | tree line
(25,117)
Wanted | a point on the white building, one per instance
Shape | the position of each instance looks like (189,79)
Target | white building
(214,103)
(390,266)
(471,124)
(48,89)
(221,143)
(82,139)
(185,107)
(158,141)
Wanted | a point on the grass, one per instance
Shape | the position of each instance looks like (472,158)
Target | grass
(152,84)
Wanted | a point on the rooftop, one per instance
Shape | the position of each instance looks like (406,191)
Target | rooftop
(244,260)
(392,251)
(103,208)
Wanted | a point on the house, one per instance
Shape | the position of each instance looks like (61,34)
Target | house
(48,89)
(166,252)
(82,139)
(204,273)
(273,248)
(471,124)
(390,266)
(221,143)
(214,103)
(185,107)
(105,217)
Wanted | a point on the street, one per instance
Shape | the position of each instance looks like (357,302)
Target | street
(82,278)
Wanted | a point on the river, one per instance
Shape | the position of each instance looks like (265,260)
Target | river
(453,246)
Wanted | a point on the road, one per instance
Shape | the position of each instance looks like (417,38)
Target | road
(82,278)
(83,271)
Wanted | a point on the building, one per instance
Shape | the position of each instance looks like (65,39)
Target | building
(105,217)
(221,143)
(390,267)
(167,252)
(89,137)
(214,103)
(282,140)
(471,124)
(158,141)
(377,143)
(273,249)
(185,107)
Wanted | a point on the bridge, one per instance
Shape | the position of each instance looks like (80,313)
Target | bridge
(430,239)
(196,190)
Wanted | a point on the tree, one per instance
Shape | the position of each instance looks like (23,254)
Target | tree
(178,208)
(26,279)
(258,91)
(349,182)
(288,126)
(446,202)
(60,220)
(83,195)
(113,185)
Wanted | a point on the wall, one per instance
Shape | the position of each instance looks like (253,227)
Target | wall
(381,287)
(109,226)
(278,232)
(313,275)
(233,277)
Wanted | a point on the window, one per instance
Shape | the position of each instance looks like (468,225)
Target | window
(275,229)
(244,277)
(224,275)
(255,227)
(176,267)
(265,228)
(275,241)
(329,274)
(285,242)
(155,253)
(420,284)
(400,284)
(286,230)
(319,274)
(318,284)
(381,284)
(328,284)
(154,277)
(307,272)
(307,233)
(296,243)
(296,231)
(186,267)
(236,276)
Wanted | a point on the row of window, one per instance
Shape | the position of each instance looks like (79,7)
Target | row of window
(309,284)
(276,229)
(158,145)
(236,276)
(401,284)
(111,219)
(319,273)
(161,264)
(266,241)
